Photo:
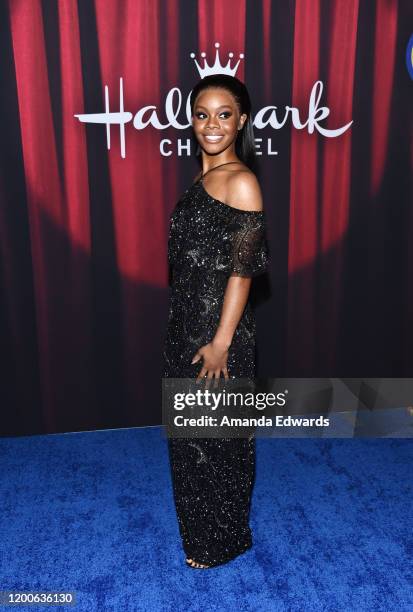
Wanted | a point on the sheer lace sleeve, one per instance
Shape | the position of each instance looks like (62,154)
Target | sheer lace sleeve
(244,250)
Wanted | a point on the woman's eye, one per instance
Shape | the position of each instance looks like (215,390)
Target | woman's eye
(225,113)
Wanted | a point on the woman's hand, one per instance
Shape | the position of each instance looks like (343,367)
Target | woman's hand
(215,357)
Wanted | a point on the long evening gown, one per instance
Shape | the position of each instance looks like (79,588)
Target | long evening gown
(212,477)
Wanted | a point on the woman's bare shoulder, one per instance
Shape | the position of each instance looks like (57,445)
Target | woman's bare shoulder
(244,191)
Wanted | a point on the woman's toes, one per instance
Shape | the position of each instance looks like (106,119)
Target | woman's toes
(193,563)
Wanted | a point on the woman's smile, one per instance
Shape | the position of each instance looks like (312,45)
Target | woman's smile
(213,138)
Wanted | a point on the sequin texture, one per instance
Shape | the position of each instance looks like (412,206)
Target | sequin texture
(212,478)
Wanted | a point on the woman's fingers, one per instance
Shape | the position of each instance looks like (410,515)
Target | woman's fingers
(216,375)
(201,374)
(209,377)
(210,373)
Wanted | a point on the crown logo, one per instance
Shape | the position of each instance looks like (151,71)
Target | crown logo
(217,67)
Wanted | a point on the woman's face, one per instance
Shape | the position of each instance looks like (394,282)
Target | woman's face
(216,120)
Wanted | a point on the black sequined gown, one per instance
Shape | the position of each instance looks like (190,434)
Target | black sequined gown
(212,477)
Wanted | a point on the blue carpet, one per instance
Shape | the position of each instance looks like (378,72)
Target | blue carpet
(93,512)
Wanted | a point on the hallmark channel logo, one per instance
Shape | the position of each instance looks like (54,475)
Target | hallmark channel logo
(267,117)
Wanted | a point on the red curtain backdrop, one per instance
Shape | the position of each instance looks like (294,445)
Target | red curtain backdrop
(83,230)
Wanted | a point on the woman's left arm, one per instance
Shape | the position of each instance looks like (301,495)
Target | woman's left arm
(215,353)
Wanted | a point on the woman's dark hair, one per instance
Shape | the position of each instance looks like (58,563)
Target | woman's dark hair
(244,144)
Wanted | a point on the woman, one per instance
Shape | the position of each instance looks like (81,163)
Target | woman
(217,243)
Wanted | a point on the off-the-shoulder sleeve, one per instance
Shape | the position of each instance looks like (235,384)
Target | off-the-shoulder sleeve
(244,250)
